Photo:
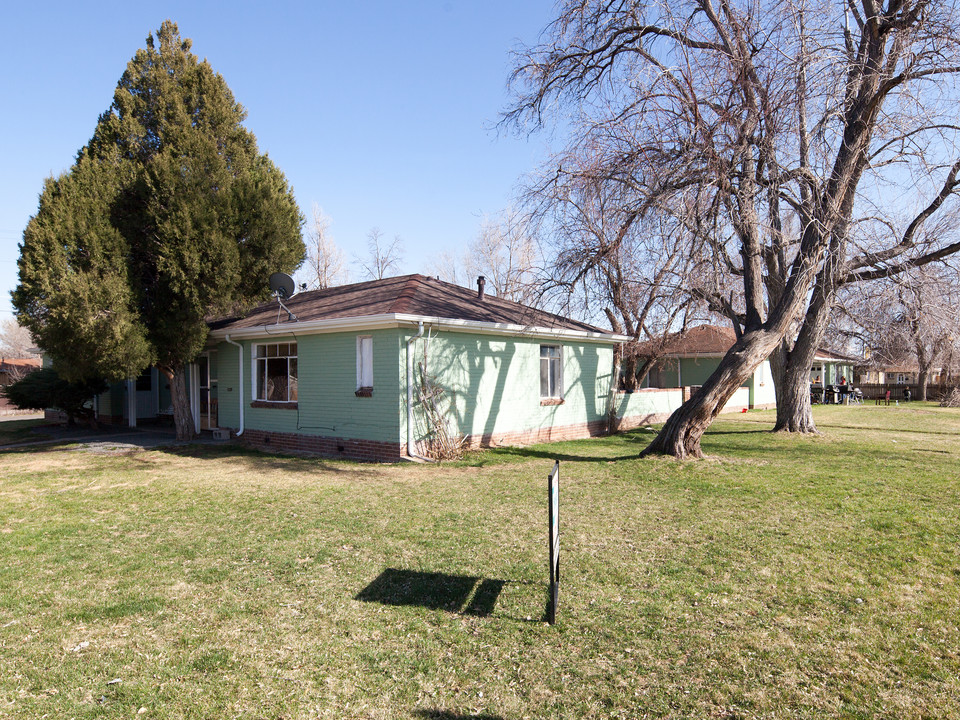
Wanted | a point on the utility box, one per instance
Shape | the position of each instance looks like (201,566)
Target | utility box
(221,434)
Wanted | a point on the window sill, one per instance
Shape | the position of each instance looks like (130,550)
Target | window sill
(364,392)
(544,402)
(274,405)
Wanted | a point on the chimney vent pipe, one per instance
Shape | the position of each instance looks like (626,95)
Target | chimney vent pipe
(481,282)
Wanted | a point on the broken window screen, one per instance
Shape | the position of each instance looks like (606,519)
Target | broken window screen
(276,372)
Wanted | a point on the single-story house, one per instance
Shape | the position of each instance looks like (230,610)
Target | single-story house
(898,375)
(689,358)
(830,367)
(345,371)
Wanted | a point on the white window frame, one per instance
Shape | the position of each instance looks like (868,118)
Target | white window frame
(559,379)
(255,371)
(364,362)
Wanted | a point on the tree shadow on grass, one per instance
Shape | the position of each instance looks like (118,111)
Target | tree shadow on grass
(547,453)
(447,715)
(436,591)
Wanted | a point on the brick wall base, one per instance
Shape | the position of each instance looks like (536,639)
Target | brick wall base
(379,451)
(365,450)
(538,435)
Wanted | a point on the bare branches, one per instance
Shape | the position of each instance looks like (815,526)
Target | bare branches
(383,258)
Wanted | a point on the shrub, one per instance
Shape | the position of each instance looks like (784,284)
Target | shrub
(46,389)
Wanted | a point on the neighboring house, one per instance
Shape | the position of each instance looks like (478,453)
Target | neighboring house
(689,358)
(898,375)
(830,367)
(12,369)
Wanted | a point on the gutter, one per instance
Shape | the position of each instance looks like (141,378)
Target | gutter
(411,445)
(240,353)
(395,320)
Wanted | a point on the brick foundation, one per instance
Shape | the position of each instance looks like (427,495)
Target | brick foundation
(538,435)
(365,450)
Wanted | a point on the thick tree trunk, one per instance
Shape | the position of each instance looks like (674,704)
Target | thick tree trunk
(923,379)
(792,382)
(182,416)
(794,413)
(681,434)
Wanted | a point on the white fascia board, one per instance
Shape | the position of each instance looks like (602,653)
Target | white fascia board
(396,320)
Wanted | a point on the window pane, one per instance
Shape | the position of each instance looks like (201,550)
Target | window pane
(261,379)
(544,377)
(277,379)
(293,379)
(555,378)
(293,349)
(261,351)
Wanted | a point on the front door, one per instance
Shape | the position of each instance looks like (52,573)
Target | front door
(147,394)
(208,393)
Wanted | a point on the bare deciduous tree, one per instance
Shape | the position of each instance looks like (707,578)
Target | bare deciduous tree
(15,340)
(505,253)
(768,115)
(383,258)
(636,272)
(325,265)
(910,319)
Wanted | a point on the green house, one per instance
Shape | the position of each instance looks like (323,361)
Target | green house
(386,369)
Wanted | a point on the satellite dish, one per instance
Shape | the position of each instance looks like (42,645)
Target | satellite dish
(282,285)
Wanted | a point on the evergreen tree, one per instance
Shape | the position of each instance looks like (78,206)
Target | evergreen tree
(169,215)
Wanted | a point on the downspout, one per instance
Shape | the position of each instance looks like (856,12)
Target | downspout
(411,445)
(240,353)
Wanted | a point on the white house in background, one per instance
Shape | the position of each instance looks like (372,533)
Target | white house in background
(689,358)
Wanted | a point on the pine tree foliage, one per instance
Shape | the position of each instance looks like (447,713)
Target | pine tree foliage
(169,215)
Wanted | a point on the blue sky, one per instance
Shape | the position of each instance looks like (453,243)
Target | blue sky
(382,113)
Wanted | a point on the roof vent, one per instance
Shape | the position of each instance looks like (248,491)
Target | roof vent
(481,282)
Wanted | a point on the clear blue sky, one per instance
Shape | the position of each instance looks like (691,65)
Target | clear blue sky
(380,112)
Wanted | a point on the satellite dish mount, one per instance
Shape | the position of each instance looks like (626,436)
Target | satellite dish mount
(283,287)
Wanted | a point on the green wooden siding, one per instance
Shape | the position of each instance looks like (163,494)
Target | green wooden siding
(492,383)
(327,375)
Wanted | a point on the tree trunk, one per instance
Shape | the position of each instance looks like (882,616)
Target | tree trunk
(792,382)
(182,415)
(791,379)
(681,434)
(794,413)
(923,379)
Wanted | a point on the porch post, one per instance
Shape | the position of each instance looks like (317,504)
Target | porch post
(131,402)
(195,395)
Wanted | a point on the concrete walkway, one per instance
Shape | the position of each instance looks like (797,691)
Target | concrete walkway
(111,440)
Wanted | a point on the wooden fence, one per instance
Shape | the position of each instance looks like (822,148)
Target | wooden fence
(871,391)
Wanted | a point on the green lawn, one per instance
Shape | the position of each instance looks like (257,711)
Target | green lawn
(780,578)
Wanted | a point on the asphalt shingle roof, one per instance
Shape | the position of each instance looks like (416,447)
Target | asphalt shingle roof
(417,295)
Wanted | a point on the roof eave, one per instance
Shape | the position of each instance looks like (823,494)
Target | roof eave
(395,320)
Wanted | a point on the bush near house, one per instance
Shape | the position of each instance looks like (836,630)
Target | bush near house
(45,388)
